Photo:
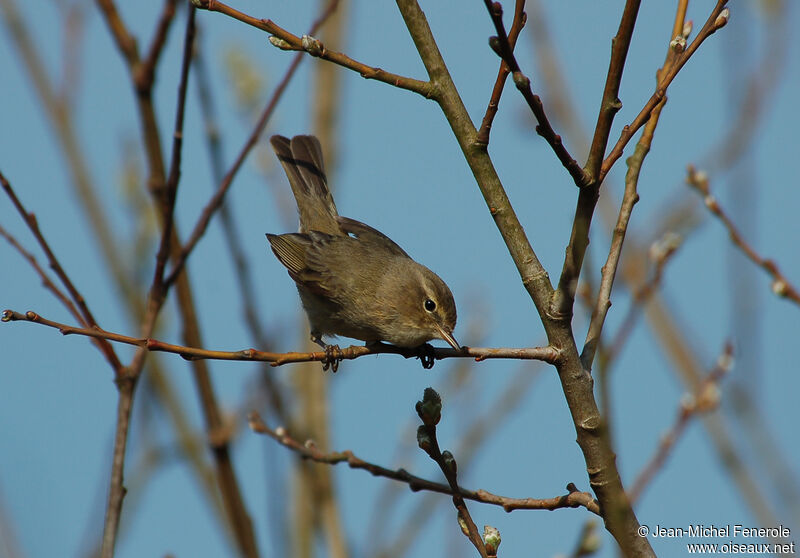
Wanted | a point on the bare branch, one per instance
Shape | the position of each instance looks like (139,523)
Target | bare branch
(491,110)
(46,281)
(145,73)
(564,296)
(86,317)
(572,499)
(429,410)
(546,354)
(629,199)
(60,115)
(287,41)
(503,47)
(125,41)
(780,284)
(170,190)
(716,21)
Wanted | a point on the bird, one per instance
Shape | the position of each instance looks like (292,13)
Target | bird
(353,280)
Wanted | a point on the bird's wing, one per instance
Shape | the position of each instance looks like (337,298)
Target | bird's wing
(295,252)
(369,235)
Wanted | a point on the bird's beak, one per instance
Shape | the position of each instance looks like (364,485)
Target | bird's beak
(447,336)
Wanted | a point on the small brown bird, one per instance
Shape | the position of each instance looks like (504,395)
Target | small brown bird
(353,280)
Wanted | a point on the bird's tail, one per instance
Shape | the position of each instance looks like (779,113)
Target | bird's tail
(301,158)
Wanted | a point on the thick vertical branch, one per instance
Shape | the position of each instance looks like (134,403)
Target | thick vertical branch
(576,383)
(534,276)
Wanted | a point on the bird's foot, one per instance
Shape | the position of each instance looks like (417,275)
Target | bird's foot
(333,356)
(426,356)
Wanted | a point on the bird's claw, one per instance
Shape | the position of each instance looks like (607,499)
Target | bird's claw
(333,356)
(426,356)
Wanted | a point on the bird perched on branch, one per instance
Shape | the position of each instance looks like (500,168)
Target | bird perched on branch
(354,280)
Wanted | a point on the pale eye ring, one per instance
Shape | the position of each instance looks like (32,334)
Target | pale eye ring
(429,305)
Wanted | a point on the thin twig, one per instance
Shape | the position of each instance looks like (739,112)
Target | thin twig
(610,103)
(146,70)
(86,317)
(661,252)
(546,354)
(430,411)
(170,190)
(47,283)
(502,73)
(629,199)
(288,41)
(125,41)
(483,426)
(780,284)
(572,499)
(564,297)
(716,21)
(503,47)
(58,109)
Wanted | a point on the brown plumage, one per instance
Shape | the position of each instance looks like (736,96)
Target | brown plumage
(353,280)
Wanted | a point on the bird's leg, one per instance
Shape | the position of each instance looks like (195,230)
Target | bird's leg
(333,354)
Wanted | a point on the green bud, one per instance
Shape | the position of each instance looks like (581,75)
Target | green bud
(491,538)
(494,43)
(430,408)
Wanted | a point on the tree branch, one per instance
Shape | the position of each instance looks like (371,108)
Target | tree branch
(716,21)
(308,450)
(781,286)
(629,199)
(145,73)
(170,191)
(47,282)
(503,47)
(491,110)
(577,384)
(564,297)
(430,411)
(84,315)
(546,354)
(287,41)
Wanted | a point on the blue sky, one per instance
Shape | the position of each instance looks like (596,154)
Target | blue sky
(400,170)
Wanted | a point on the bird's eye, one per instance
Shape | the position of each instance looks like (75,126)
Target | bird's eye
(430,305)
